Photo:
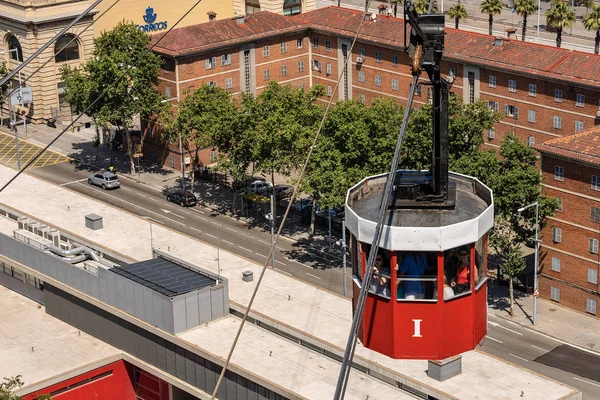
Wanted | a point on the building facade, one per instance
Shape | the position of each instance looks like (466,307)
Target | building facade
(543,92)
(569,262)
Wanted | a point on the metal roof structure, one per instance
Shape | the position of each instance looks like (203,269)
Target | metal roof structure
(164,276)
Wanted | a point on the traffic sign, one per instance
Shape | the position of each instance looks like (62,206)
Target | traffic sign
(23,94)
(536,293)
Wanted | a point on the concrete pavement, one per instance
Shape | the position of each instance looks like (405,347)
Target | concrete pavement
(552,319)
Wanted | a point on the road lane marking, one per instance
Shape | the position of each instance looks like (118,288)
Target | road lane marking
(231,229)
(195,229)
(258,254)
(280,262)
(520,358)
(124,188)
(495,340)
(77,181)
(213,236)
(172,213)
(285,272)
(216,223)
(314,276)
(198,211)
(243,248)
(228,242)
(297,262)
(583,380)
(510,330)
(153,199)
(539,348)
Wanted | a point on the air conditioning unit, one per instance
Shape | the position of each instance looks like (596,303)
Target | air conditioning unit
(360,60)
(598,113)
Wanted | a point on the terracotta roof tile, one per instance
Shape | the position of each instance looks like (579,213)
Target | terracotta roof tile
(538,60)
(584,146)
(224,33)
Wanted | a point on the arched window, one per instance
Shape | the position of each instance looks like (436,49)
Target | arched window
(13,44)
(66,48)
(292,7)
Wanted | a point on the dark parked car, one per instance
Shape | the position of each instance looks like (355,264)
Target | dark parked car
(283,191)
(184,199)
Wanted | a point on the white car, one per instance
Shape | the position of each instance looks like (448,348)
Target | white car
(259,187)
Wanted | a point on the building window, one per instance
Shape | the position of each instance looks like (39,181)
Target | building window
(211,63)
(419,90)
(328,69)
(252,7)
(512,85)
(593,246)
(316,42)
(558,95)
(266,74)
(560,204)
(452,72)
(595,214)
(225,59)
(578,126)
(361,77)
(361,98)
(377,80)
(66,48)
(492,81)
(511,111)
(492,133)
(531,141)
(557,122)
(327,45)
(168,92)
(555,264)
(554,293)
(301,86)
(283,70)
(266,51)
(300,66)
(212,83)
(292,7)
(299,43)
(228,83)
(592,276)
(494,106)
(13,43)
(172,161)
(580,100)
(283,47)
(471,78)
(394,59)
(559,173)
(590,306)
(362,52)
(328,90)
(377,56)
(531,116)
(556,234)
(532,89)
(394,84)
(316,65)
(596,182)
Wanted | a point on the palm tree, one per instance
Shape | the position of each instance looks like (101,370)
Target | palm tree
(525,8)
(422,6)
(491,8)
(395,3)
(587,4)
(560,15)
(458,12)
(591,22)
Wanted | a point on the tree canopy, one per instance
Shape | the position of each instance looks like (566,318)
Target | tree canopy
(591,22)
(491,8)
(560,16)
(525,8)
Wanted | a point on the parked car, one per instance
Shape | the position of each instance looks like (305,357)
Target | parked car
(303,204)
(283,191)
(184,199)
(106,180)
(259,187)
(322,212)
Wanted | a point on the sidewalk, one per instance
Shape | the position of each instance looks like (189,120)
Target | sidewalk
(552,319)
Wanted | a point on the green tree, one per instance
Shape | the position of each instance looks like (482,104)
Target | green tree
(587,4)
(3,91)
(560,16)
(458,12)
(422,6)
(491,8)
(201,118)
(136,94)
(524,8)
(591,22)
(9,386)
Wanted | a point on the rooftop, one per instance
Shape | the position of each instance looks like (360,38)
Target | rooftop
(510,55)
(583,147)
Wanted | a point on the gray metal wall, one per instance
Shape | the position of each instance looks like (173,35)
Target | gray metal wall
(165,355)
(173,315)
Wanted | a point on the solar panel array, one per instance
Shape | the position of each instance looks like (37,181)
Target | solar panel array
(164,276)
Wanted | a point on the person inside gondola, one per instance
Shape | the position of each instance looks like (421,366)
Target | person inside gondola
(411,271)
(463,273)
(380,283)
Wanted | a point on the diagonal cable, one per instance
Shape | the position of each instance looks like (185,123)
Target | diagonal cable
(149,49)
(296,190)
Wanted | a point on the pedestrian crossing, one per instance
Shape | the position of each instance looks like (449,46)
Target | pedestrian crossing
(27,152)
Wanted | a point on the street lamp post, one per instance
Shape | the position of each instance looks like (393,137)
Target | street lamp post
(535,268)
(538,23)
(342,244)
(272,221)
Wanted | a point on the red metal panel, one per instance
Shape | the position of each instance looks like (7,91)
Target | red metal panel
(378,324)
(417,330)
(479,314)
